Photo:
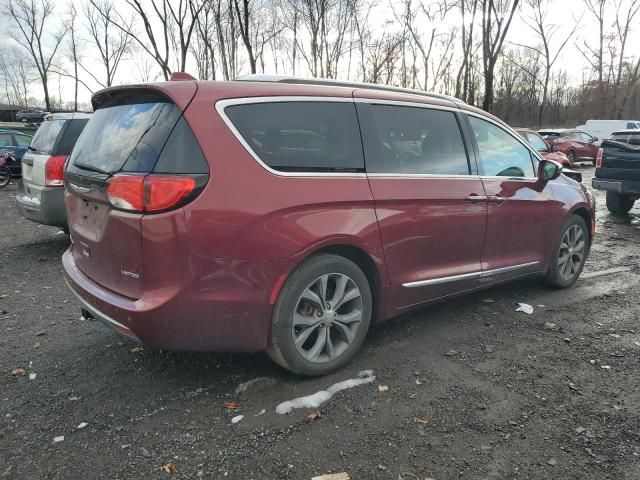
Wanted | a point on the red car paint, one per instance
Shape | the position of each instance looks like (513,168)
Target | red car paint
(575,144)
(543,147)
(205,276)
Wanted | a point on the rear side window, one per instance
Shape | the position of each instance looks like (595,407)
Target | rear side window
(22,140)
(632,125)
(70,136)
(501,155)
(417,140)
(46,136)
(6,140)
(301,136)
(537,142)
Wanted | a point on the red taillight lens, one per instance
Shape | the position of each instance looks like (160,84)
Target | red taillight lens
(54,170)
(126,192)
(148,194)
(599,157)
(162,193)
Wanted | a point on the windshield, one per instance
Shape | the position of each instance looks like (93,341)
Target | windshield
(45,138)
(125,137)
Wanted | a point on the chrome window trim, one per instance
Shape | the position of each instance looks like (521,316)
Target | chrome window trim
(468,276)
(222,104)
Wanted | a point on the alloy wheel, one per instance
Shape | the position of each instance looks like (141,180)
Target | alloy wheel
(572,251)
(327,317)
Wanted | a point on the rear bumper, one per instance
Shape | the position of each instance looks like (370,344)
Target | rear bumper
(40,204)
(623,187)
(230,318)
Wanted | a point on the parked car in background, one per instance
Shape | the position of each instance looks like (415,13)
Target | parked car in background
(542,147)
(40,195)
(16,142)
(575,144)
(604,128)
(632,137)
(287,215)
(31,115)
(618,173)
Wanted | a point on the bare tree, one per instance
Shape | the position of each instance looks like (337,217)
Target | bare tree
(17,72)
(597,8)
(29,19)
(545,33)
(167,27)
(468,10)
(111,42)
(496,20)
(624,19)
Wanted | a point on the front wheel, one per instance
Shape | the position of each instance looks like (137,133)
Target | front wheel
(321,316)
(619,204)
(5,176)
(571,155)
(569,254)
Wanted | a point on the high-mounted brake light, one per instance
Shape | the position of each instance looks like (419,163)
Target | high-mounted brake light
(54,170)
(599,157)
(151,193)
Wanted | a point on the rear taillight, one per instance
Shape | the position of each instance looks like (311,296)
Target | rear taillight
(151,193)
(54,170)
(599,157)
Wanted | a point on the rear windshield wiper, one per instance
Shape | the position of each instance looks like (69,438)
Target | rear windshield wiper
(90,168)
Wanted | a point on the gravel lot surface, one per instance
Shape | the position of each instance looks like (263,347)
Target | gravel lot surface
(475,389)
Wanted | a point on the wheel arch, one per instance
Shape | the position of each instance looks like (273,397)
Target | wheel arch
(583,213)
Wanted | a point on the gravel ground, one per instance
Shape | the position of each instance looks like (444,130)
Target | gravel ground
(475,389)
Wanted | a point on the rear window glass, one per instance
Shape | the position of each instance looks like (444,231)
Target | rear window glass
(70,136)
(125,137)
(46,136)
(301,136)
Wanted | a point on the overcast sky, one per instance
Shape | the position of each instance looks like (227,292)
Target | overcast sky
(563,12)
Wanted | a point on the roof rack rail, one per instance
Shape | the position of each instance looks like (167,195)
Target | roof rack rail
(341,83)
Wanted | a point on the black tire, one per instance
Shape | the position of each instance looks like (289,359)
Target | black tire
(24,120)
(619,204)
(282,348)
(5,176)
(571,155)
(557,275)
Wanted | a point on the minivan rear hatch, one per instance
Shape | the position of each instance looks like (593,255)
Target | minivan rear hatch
(134,135)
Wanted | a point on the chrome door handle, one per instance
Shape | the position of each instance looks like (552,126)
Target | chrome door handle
(498,199)
(473,198)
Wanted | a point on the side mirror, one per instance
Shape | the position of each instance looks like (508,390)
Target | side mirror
(548,170)
(595,139)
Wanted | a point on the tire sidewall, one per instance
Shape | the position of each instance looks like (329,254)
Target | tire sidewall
(282,348)
(553,276)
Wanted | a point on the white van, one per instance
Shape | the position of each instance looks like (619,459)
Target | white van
(604,128)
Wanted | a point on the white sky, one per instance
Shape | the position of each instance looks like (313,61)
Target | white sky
(561,11)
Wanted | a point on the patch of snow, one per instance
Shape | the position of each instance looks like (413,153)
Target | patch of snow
(318,398)
(261,412)
(82,425)
(58,439)
(525,307)
(32,376)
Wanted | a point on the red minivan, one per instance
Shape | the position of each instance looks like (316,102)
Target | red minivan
(286,215)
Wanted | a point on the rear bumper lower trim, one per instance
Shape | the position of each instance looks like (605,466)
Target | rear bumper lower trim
(620,186)
(101,317)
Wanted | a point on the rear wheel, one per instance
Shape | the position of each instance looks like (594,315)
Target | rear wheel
(569,254)
(571,155)
(5,176)
(321,317)
(620,204)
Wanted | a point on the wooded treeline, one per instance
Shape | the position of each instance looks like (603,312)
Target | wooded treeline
(465,48)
